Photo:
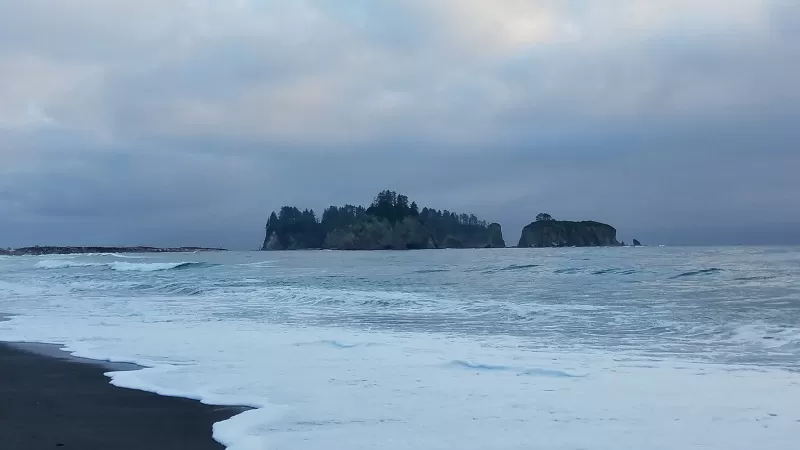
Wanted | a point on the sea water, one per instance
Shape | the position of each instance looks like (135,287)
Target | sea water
(605,348)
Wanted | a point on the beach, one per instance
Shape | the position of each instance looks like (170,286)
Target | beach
(49,400)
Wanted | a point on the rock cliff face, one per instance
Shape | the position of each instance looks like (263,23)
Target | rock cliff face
(559,233)
(490,236)
(372,233)
(290,240)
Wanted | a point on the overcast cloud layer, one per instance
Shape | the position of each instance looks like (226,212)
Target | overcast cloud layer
(168,122)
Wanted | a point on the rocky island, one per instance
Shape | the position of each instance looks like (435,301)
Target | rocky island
(548,232)
(391,222)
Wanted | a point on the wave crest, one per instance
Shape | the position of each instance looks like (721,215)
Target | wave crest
(121,266)
(518,267)
(155,267)
(692,273)
(62,264)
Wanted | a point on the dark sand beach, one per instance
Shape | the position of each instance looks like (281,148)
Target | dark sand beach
(49,400)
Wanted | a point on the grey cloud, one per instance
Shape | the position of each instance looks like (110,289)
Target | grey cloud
(192,135)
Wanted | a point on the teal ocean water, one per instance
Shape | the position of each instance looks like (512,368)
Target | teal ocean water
(605,348)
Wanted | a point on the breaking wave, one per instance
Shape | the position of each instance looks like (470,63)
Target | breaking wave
(112,255)
(120,266)
(62,264)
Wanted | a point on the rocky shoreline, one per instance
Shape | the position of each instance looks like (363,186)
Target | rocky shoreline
(69,250)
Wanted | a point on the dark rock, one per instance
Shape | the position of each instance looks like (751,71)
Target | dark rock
(636,243)
(367,234)
(297,230)
(496,236)
(372,233)
(452,242)
(557,233)
(54,250)
(390,223)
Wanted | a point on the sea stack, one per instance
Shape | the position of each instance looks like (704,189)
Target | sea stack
(547,232)
(496,236)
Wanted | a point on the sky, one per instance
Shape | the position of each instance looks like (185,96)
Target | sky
(166,122)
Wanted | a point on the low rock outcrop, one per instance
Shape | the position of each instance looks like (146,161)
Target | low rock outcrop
(60,250)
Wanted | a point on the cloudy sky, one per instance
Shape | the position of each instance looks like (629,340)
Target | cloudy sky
(170,122)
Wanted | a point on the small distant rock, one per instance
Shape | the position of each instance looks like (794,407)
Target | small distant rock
(636,243)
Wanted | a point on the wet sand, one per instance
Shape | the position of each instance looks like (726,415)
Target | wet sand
(49,399)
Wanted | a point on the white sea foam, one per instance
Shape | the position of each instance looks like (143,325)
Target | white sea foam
(261,264)
(411,391)
(115,255)
(392,357)
(11,289)
(115,265)
(767,336)
(65,264)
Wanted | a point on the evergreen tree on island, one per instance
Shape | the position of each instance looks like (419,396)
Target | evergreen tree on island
(391,221)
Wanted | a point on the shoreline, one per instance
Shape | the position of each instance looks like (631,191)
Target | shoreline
(50,398)
(41,250)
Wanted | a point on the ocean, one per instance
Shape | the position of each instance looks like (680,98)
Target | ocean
(553,349)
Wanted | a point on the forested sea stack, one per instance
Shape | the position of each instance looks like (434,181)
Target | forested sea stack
(391,222)
(547,232)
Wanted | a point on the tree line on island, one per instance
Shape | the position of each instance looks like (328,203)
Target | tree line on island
(392,222)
